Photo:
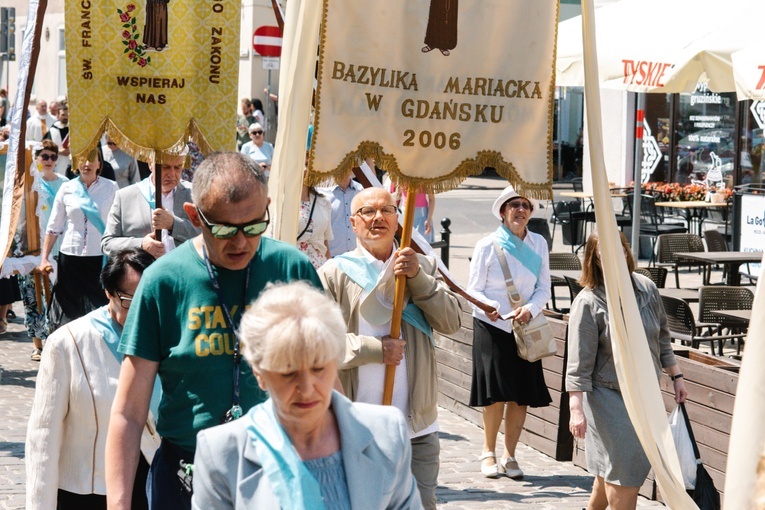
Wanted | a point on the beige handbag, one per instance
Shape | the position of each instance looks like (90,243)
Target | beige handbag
(534,340)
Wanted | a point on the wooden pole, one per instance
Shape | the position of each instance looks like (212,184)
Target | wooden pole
(398,299)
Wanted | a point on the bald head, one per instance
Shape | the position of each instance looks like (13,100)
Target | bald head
(371,195)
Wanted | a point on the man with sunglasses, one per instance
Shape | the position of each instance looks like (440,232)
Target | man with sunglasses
(356,280)
(134,218)
(182,326)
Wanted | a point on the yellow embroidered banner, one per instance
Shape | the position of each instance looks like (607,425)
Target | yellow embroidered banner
(154,74)
(436,90)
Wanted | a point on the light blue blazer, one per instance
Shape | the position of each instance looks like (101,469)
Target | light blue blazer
(376,456)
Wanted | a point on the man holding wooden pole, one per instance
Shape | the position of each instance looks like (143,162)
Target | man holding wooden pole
(361,282)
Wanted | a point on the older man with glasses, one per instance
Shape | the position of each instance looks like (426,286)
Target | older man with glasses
(182,325)
(357,280)
(134,218)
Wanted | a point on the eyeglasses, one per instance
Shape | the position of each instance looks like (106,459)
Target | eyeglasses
(256,132)
(227,231)
(125,299)
(47,157)
(369,212)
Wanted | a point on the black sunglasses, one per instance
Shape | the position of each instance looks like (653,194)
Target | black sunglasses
(256,132)
(46,157)
(227,231)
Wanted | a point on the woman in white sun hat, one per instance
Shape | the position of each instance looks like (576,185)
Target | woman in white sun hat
(503,383)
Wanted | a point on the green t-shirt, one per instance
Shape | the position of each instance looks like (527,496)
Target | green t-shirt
(176,320)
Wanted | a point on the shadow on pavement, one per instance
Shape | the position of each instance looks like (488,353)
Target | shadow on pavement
(15,449)
(24,378)
(445,436)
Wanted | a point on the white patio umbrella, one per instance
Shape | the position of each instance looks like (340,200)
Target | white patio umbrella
(749,71)
(663,46)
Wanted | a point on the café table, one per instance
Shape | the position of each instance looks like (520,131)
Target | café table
(692,210)
(687,295)
(735,314)
(731,259)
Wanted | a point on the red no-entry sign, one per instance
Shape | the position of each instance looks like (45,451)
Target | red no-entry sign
(267,41)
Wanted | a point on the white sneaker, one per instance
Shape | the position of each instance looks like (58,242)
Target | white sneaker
(511,468)
(489,471)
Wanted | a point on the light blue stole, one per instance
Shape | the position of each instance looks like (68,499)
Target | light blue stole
(522,252)
(111,331)
(148,193)
(365,276)
(87,206)
(48,189)
(292,482)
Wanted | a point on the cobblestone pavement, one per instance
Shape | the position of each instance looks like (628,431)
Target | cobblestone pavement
(548,484)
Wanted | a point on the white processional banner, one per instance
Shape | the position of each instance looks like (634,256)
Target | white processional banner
(437,90)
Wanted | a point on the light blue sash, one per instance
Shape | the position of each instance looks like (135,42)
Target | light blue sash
(365,276)
(148,194)
(292,482)
(518,249)
(88,207)
(51,194)
(111,331)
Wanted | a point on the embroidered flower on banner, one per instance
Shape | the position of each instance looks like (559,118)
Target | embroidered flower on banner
(130,36)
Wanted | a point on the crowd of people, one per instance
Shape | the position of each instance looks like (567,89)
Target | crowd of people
(190,361)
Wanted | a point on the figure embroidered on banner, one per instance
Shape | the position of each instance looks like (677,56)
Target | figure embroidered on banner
(130,35)
(155,29)
(441,33)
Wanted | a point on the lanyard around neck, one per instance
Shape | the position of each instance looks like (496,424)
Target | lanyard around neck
(219,292)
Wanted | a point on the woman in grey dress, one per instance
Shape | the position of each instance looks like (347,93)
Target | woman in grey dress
(614,454)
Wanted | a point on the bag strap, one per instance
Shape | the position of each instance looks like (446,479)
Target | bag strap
(308,223)
(690,432)
(516,301)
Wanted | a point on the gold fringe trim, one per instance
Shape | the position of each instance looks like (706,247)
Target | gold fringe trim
(468,167)
(192,133)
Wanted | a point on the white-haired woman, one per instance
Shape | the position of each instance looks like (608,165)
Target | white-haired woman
(503,382)
(258,149)
(306,444)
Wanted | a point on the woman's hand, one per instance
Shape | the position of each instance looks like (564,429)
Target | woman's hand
(492,314)
(522,315)
(577,423)
(45,266)
(680,392)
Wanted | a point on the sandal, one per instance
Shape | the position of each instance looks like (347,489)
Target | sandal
(10,315)
(489,471)
(3,326)
(37,355)
(512,470)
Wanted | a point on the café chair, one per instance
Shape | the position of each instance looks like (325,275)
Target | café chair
(652,223)
(669,244)
(657,274)
(562,262)
(722,297)
(715,242)
(574,287)
(683,327)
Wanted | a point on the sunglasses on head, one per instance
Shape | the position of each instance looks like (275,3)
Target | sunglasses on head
(227,231)
(51,157)
(256,132)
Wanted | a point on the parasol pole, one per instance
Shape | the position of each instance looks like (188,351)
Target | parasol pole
(398,298)
(157,188)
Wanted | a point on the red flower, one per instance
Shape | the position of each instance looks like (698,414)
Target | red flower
(131,55)
(132,44)
(126,34)
(142,62)
(124,17)
(130,7)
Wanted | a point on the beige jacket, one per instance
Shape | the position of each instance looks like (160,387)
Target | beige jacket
(442,311)
(66,436)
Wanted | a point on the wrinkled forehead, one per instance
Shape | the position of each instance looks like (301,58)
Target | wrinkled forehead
(371,196)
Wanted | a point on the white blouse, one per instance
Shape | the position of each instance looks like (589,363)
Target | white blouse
(487,283)
(81,238)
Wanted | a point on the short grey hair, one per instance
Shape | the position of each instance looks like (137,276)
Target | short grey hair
(233,173)
(291,326)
